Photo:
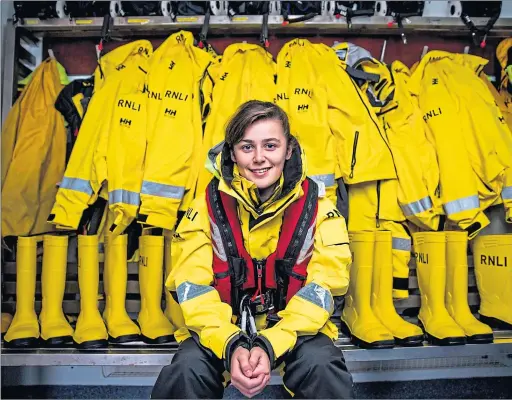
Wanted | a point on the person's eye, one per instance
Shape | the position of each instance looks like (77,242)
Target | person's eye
(246,147)
(271,146)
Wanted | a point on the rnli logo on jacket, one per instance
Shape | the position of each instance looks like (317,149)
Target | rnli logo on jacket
(143,50)
(281,96)
(300,91)
(431,114)
(421,257)
(174,95)
(191,214)
(334,213)
(129,104)
(494,261)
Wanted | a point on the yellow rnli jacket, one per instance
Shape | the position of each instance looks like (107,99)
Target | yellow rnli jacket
(414,157)
(33,154)
(459,109)
(174,129)
(245,72)
(331,117)
(207,318)
(110,147)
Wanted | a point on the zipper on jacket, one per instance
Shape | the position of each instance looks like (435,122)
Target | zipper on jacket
(354,149)
(377,215)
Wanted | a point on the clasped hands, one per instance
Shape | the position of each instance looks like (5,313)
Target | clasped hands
(250,370)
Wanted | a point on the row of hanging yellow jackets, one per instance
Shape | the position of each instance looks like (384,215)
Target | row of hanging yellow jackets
(410,146)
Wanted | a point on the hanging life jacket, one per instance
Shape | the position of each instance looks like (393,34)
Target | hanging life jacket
(283,272)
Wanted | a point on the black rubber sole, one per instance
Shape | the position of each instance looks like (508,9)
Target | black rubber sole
(480,339)
(92,344)
(381,344)
(159,340)
(124,339)
(448,341)
(411,341)
(22,343)
(495,322)
(57,341)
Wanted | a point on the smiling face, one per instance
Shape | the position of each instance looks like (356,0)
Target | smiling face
(261,153)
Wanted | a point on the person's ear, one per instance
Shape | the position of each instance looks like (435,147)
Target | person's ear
(233,158)
(289,152)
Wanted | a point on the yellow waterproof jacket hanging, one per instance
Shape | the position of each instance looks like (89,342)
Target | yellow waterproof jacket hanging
(330,117)
(458,108)
(192,257)
(246,72)
(174,129)
(110,146)
(414,157)
(33,154)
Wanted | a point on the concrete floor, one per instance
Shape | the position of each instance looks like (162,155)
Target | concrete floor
(476,388)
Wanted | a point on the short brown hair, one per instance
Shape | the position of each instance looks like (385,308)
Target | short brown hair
(250,112)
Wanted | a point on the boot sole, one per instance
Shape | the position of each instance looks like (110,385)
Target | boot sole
(22,343)
(159,340)
(57,341)
(495,322)
(411,341)
(481,338)
(381,344)
(449,341)
(124,339)
(92,344)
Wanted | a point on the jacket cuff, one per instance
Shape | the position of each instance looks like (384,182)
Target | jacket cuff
(263,343)
(239,339)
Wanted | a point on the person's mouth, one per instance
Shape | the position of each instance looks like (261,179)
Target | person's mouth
(260,171)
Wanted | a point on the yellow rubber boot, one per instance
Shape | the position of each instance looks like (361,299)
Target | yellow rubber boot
(405,333)
(493,269)
(121,329)
(55,328)
(456,296)
(6,322)
(24,328)
(439,326)
(364,327)
(155,327)
(90,331)
(172,307)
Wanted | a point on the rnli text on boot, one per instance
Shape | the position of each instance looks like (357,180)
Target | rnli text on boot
(422,257)
(494,261)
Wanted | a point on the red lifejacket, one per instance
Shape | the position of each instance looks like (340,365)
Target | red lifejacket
(284,271)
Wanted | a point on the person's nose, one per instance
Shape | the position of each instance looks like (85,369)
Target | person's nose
(259,156)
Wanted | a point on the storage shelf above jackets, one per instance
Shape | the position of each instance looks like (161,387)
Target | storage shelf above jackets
(156,25)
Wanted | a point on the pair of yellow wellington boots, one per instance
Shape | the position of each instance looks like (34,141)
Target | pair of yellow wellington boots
(369,315)
(53,327)
(153,326)
(442,270)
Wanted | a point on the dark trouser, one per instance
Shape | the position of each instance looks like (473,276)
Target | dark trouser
(314,369)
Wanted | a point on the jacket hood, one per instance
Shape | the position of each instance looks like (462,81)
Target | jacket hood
(225,170)
(135,53)
(474,62)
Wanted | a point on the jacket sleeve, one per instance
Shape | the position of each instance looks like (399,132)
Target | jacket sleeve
(207,318)
(328,275)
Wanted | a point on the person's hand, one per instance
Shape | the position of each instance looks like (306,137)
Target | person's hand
(260,362)
(242,374)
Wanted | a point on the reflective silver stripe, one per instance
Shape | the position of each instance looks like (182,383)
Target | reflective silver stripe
(401,244)
(327,179)
(77,184)
(218,246)
(506,193)
(317,295)
(161,190)
(464,204)
(307,248)
(417,207)
(123,196)
(188,291)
